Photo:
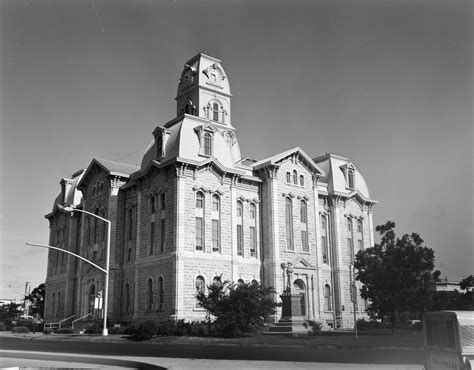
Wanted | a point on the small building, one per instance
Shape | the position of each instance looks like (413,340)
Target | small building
(196,211)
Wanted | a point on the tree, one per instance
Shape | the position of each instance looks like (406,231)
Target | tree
(467,283)
(36,297)
(237,308)
(397,274)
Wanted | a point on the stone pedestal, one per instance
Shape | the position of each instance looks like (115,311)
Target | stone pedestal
(292,320)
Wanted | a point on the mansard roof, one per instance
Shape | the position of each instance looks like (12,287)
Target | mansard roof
(69,193)
(333,166)
(277,158)
(112,168)
(183,142)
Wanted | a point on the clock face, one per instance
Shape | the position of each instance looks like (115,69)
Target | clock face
(188,77)
(214,75)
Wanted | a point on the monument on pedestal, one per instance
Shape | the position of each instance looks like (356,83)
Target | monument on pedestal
(292,319)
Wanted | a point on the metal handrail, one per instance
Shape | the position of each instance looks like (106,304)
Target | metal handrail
(80,318)
(70,317)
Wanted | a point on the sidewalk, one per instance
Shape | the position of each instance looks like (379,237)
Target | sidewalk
(408,340)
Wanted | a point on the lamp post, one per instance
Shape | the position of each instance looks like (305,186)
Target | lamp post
(105,331)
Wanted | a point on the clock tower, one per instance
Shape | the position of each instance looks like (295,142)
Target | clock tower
(204,91)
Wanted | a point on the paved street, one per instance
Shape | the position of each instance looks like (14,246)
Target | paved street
(194,355)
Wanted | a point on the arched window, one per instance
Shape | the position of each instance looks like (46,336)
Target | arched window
(200,284)
(304,226)
(163,222)
(127,297)
(161,294)
(216,232)
(199,218)
(97,226)
(216,280)
(215,112)
(301,180)
(53,305)
(295,177)
(130,224)
(240,231)
(149,294)
(153,204)
(254,282)
(327,298)
(91,297)
(324,240)
(240,282)
(88,230)
(289,224)
(350,241)
(253,230)
(360,235)
(207,147)
(58,310)
(350,179)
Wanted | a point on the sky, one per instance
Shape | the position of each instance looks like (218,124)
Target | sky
(387,84)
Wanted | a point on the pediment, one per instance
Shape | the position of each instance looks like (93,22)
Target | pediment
(302,263)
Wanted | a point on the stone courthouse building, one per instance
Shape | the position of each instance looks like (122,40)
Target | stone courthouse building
(196,211)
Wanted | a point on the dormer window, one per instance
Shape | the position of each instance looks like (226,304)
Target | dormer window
(349,173)
(206,139)
(229,139)
(161,137)
(159,146)
(207,144)
(350,178)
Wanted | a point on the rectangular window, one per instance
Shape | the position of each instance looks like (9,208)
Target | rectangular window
(253,241)
(304,241)
(199,234)
(361,246)
(152,238)
(301,180)
(240,242)
(163,234)
(350,247)
(288,177)
(324,245)
(129,255)
(215,236)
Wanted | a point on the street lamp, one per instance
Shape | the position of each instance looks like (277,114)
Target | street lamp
(105,331)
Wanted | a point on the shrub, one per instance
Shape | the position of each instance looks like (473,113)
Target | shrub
(166,327)
(47,331)
(64,331)
(315,325)
(119,330)
(3,327)
(143,330)
(93,329)
(198,329)
(368,325)
(20,329)
(182,328)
